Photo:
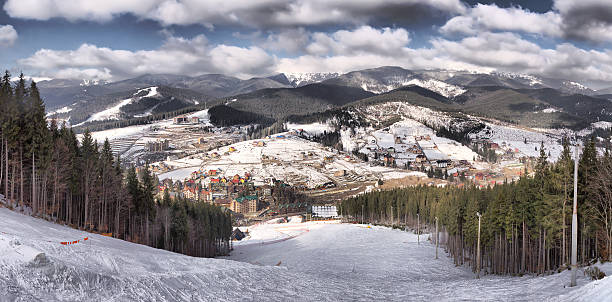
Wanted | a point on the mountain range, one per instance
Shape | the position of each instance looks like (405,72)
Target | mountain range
(518,98)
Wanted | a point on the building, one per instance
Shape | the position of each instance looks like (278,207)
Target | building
(325,211)
(157,146)
(436,158)
(181,120)
(246,204)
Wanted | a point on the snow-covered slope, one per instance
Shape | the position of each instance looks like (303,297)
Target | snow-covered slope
(301,79)
(107,269)
(113,112)
(312,262)
(447,90)
(369,263)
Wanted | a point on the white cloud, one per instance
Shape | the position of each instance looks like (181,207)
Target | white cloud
(484,52)
(493,18)
(589,20)
(340,51)
(586,19)
(364,39)
(8,35)
(176,56)
(241,12)
(292,41)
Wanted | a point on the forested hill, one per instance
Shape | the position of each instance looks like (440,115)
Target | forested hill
(224,116)
(281,102)
(48,173)
(525,225)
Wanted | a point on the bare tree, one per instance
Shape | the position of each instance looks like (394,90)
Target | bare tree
(600,206)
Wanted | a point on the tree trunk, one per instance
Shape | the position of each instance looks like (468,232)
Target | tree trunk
(21,174)
(34,201)
(6,168)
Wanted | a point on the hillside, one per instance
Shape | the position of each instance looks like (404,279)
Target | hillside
(128,104)
(281,102)
(522,107)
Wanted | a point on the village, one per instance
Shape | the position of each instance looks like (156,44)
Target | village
(197,161)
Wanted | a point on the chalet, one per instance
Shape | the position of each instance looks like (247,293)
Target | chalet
(195,120)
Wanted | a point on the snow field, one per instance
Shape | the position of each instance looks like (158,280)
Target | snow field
(371,263)
(329,262)
(288,159)
(107,269)
(515,138)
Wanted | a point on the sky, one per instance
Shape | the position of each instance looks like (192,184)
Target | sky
(117,39)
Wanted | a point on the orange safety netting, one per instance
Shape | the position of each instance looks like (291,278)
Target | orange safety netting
(74,242)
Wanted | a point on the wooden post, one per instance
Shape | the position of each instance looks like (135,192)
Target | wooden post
(478,249)
(575,219)
(437,237)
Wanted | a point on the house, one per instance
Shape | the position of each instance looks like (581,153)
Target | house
(389,160)
(436,158)
(178,120)
(237,234)
(195,120)
(340,173)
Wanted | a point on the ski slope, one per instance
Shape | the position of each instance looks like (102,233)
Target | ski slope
(369,263)
(319,262)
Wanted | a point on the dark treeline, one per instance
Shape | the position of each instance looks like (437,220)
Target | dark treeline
(224,116)
(46,172)
(526,225)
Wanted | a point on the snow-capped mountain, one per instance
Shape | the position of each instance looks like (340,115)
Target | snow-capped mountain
(575,88)
(384,79)
(301,79)
(86,82)
(529,80)
(447,90)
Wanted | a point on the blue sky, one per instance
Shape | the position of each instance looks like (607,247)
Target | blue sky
(117,39)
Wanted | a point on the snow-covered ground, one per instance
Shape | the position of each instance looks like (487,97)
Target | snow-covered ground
(514,137)
(369,263)
(141,130)
(112,113)
(310,129)
(327,262)
(285,157)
